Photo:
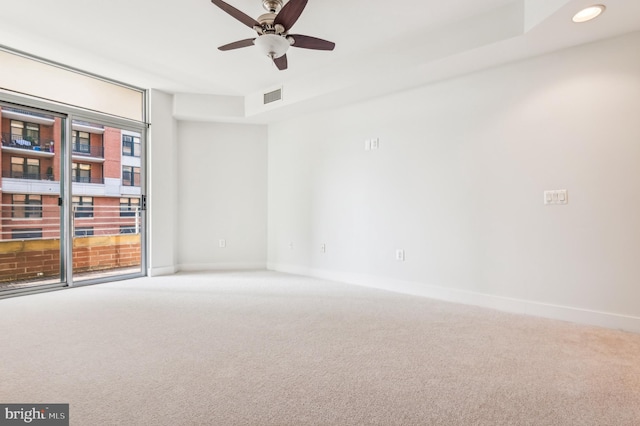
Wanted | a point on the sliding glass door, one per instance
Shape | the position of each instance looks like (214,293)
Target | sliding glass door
(72,200)
(31,244)
(106,200)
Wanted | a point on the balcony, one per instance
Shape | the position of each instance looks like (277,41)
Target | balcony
(86,179)
(26,175)
(29,183)
(85,151)
(10,176)
(107,242)
(37,262)
(28,116)
(30,146)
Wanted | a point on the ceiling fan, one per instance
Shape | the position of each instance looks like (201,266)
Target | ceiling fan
(273,30)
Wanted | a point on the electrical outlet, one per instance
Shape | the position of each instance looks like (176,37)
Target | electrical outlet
(222,243)
(323,248)
(400,255)
(375,143)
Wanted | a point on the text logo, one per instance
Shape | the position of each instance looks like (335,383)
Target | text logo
(34,414)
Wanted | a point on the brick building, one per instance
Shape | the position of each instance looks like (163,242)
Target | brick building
(105,190)
(105,177)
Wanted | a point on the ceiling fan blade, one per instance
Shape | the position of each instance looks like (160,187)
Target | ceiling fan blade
(290,13)
(240,16)
(281,62)
(237,44)
(308,42)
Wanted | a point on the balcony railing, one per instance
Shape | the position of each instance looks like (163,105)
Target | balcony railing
(42,221)
(85,179)
(88,150)
(29,176)
(25,142)
(49,176)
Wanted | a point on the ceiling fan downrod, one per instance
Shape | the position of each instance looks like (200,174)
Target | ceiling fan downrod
(272,6)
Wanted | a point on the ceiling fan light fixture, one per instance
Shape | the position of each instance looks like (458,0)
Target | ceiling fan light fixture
(589,13)
(271,45)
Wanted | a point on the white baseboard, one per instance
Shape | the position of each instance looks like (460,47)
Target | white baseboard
(234,266)
(165,270)
(506,304)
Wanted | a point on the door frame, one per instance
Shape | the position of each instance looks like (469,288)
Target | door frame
(70,113)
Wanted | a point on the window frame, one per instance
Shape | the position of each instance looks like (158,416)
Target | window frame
(76,172)
(83,231)
(82,209)
(26,234)
(131,181)
(129,209)
(76,142)
(131,146)
(26,167)
(28,131)
(29,209)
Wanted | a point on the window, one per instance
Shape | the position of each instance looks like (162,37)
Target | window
(129,206)
(81,142)
(25,168)
(81,173)
(26,234)
(130,146)
(127,229)
(26,205)
(83,206)
(25,131)
(130,176)
(83,231)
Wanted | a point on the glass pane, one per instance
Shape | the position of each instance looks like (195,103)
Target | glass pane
(29,212)
(107,229)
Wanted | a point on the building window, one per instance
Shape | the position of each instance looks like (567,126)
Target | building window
(26,206)
(83,231)
(129,206)
(127,229)
(130,176)
(83,206)
(26,234)
(130,146)
(25,168)
(25,132)
(81,142)
(81,173)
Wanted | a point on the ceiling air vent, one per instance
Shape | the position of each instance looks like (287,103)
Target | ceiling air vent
(276,95)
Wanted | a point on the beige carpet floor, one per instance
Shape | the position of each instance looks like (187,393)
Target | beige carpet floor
(263,348)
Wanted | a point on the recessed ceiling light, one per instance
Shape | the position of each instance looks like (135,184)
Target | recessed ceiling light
(589,13)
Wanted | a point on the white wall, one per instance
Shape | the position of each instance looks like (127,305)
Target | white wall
(222,195)
(162,182)
(458,183)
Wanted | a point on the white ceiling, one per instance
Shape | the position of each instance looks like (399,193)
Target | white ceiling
(380,46)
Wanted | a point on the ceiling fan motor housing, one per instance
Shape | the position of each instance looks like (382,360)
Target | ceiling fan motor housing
(266,25)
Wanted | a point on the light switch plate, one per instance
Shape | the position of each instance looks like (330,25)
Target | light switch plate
(558,196)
